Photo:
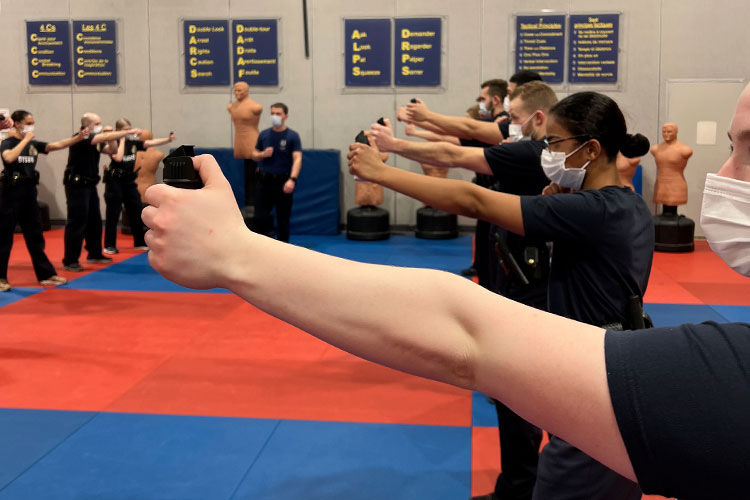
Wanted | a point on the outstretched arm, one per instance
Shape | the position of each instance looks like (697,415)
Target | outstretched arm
(441,154)
(414,131)
(454,196)
(458,126)
(433,324)
(158,142)
(64,143)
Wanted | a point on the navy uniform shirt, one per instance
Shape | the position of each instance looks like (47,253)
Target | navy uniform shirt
(603,248)
(284,144)
(26,161)
(128,157)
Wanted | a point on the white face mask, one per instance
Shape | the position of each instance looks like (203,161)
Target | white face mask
(554,168)
(483,111)
(27,129)
(276,120)
(97,129)
(133,137)
(506,104)
(515,131)
(725,219)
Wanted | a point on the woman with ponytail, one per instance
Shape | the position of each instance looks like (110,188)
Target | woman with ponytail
(603,242)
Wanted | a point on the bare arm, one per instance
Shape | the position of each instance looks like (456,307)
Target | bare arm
(458,126)
(549,369)
(454,196)
(11,155)
(63,143)
(113,136)
(119,153)
(413,131)
(159,142)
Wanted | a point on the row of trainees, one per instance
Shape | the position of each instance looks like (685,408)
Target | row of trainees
(517,155)
(18,198)
(665,410)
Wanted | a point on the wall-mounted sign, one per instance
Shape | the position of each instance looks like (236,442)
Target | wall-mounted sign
(594,48)
(540,46)
(206,52)
(255,51)
(95,52)
(367,52)
(418,51)
(48,52)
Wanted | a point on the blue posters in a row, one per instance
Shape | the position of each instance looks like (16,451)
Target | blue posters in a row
(94,52)
(413,55)
(593,47)
(255,52)
(48,52)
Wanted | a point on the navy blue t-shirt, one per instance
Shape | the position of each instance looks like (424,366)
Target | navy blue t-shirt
(517,167)
(129,154)
(284,144)
(26,161)
(603,247)
(681,399)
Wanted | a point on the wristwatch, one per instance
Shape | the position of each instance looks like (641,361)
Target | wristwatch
(293,179)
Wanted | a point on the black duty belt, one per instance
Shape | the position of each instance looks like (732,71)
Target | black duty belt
(16,178)
(72,179)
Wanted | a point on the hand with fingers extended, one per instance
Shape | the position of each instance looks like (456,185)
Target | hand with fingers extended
(402,114)
(195,233)
(383,137)
(365,162)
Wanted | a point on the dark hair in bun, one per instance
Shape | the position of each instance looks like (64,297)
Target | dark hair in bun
(596,116)
(634,146)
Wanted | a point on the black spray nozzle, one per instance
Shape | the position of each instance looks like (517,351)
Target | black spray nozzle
(362,138)
(179,171)
(381,121)
(414,100)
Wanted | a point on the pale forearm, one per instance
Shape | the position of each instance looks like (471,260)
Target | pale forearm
(402,318)
(296,167)
(156,142)
(11,155)
(442,154)
(63,143)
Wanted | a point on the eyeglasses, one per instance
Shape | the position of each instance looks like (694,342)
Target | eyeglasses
(557,141)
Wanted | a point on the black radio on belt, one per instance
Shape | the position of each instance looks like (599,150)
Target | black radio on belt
(179,171)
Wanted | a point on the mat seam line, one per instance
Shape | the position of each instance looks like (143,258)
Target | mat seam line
(255,460)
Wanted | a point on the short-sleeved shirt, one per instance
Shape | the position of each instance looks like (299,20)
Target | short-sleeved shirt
(129,154)
(517,167)
(284,143)
(603,248)
(83,158)
(26,161)
(681,397)
(483,180)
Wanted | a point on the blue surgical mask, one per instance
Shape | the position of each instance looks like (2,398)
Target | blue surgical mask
(276,120)
(483,111)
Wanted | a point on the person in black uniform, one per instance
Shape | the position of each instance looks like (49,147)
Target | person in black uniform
(18,202)
(120,187)
(80,179)
(517,266)
(668,406)
(602,234)
(279,151)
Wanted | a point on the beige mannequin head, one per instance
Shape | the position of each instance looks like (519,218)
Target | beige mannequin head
(669,132)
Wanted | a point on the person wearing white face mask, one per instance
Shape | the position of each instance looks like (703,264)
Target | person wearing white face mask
(669,407)
(18,201)
(120,187)
(603,241)
(82,199)
(279,153)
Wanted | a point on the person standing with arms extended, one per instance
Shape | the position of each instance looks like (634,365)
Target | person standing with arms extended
(279,151)
(120,187)
(18,202)
(82,199)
